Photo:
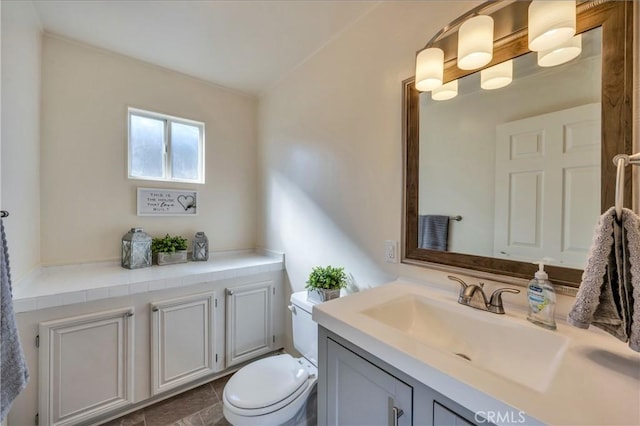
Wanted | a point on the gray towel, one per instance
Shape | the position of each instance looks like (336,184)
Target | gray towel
(13,368)
(433,232)
(609,296)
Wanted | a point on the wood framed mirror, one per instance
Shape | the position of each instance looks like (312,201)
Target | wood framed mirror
(614,19)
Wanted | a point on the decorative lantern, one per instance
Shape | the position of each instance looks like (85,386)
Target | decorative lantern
(200,247)
(136,249)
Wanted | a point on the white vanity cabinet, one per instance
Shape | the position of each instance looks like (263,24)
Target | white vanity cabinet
(185,340)
(100,340)
(356,388)
(86,366)
(250,321)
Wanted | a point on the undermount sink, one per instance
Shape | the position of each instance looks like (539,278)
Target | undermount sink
(525,354)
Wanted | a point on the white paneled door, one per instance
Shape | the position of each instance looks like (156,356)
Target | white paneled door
(86,366)
(249,321)
(183,340)
(547,187)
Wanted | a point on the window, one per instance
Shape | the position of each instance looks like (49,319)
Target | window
(165,148)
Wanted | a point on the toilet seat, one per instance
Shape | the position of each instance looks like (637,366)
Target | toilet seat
(266,385)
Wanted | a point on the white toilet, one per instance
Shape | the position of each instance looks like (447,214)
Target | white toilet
(275,390)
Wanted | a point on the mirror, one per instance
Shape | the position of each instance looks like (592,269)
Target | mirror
(481,157)
(518,166)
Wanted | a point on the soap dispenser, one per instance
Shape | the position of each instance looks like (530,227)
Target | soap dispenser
(542,299)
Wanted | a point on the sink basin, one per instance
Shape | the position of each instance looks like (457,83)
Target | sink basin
(526,354)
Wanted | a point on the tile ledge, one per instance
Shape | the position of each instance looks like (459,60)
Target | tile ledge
(58,285)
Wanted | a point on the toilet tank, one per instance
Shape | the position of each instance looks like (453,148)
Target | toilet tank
(305,330)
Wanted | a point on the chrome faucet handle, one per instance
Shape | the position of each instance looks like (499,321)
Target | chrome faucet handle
(463,285)
(495,304)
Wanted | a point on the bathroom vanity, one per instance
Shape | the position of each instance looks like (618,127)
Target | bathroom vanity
(408,353)
(359,388)
(101,340)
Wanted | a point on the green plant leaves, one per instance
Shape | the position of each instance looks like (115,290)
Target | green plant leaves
(328,277)
(168,244)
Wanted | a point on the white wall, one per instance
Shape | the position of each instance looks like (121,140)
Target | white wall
(20,169)
(331,148)
(88,203)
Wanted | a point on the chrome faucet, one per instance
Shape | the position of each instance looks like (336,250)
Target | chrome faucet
(473,295)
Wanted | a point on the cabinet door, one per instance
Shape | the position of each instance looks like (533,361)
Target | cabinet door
(86,366)
(359,393)
(442,416)
(249,321)
(182,340)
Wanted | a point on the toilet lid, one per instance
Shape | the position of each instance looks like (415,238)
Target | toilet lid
(265,382)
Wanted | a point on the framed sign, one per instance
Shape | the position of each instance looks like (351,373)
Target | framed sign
(167,202)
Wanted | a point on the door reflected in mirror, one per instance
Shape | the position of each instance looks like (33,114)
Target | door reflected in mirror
(519,164)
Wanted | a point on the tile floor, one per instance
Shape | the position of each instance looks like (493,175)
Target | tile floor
(201,406)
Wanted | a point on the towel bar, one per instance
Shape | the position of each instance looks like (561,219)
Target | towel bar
(621,161)
(458,218)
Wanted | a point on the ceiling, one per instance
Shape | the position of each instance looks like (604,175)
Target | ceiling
(246,45)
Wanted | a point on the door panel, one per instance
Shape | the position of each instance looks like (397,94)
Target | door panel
(86,366)
(249,321)
(359,393)
(182,340)
(547,172)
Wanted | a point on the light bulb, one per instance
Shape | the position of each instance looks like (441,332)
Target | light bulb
(497,76)
(551,23)
(429,69)
(562,53)
(475,42)
(446,91)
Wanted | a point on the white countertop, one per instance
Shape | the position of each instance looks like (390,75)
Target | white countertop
(596,383)
(63,285)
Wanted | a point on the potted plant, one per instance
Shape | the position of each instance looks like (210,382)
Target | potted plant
(169,250)
(325,283)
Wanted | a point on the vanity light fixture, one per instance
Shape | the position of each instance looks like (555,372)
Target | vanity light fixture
(475,42)
(446,91)
(551,23)
(429,69)
(497,76)
(562,53)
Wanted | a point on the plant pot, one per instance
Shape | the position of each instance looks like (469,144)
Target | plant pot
(322,294)
(179,256)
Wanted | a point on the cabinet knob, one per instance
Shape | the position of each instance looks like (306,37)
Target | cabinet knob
(229,292)
(292,308)
(155,309)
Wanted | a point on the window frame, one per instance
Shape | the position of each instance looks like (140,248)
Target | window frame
(167,172)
